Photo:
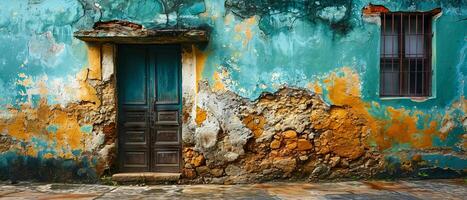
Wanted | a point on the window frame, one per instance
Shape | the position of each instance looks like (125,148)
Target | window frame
(404,60)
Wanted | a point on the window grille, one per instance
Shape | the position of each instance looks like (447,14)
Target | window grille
(405,69)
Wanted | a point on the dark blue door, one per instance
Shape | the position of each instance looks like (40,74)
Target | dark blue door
(149,106)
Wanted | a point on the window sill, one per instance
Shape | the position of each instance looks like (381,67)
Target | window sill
(414,99)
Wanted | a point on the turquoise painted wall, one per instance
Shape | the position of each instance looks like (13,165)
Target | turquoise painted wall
(255,47)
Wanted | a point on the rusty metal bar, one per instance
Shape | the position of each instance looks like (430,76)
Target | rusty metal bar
(424,91)
(416,55)
(408,54)
(383,56)
(401,54)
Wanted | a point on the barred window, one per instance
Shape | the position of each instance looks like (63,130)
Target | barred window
(405,69)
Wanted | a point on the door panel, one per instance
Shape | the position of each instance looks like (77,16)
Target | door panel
(167,78)
(132,76)
(149,80)
(165,160)
(134,132)
(168,136)
(167,109)
(136,159)
(167,117)
(137,136)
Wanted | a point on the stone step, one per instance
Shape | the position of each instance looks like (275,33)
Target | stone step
(146,178)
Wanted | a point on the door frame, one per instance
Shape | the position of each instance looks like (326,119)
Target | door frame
(152,129)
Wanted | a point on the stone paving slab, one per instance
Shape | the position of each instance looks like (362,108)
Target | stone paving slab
(361,190)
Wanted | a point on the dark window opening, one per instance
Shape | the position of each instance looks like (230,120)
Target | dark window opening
(405,69)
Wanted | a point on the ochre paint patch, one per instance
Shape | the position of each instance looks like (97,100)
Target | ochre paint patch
(94,59)
(400,127)
(315,87)
(342,131)
(24,80)
(42,88)
(218,84)
(68,132)
(89,94)
(86,92)
(244,28)
(29,124)
(255,124)
(201,116)
(345,89)
(200,62)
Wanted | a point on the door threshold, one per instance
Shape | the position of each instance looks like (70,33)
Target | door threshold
(146,178)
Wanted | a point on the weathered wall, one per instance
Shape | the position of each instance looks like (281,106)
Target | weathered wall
(283,89)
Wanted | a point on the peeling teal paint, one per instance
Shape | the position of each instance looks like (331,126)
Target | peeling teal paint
(452,140)
(52,128)
(86,128)
(446,161)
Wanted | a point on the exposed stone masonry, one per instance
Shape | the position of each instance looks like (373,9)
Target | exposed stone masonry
(291,134)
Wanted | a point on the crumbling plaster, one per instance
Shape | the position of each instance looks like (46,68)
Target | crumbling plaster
(82,131)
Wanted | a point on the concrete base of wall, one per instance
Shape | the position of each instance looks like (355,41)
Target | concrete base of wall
(146,178)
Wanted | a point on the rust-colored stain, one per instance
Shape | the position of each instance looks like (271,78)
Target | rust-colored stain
(201,58)
(109,131)
(255,124)
(374,9)
(201,116)
(186,111)
(400,126)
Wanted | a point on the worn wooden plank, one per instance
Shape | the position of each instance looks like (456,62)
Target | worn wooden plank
(127,32)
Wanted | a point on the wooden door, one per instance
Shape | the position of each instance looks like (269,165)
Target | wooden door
(149,106)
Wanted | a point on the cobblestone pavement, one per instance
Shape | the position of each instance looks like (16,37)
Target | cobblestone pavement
(426,189)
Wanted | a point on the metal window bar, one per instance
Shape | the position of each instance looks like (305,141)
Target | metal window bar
(405,59)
